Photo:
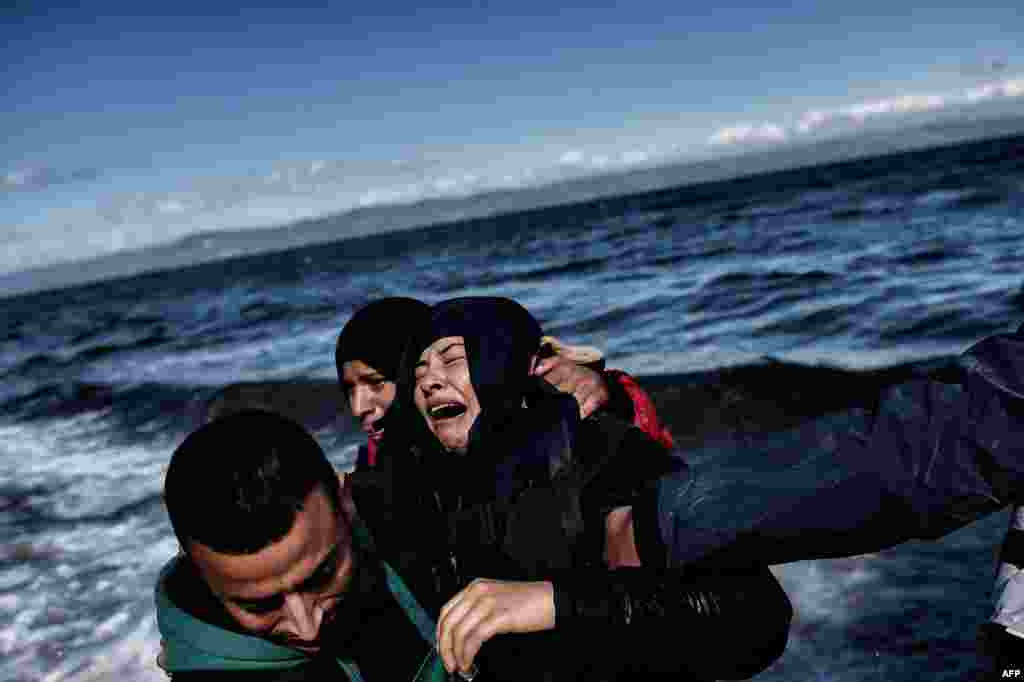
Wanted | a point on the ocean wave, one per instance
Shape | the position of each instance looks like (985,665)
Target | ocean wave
(772,277)
(950,322)
(44,513)
(824,321)
(134,404)
(855,213)
(981,198)
(571,268)
(106,322)
(157,337)
(705,251)
(928,254)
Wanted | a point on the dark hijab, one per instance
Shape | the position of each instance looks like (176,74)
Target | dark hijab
(500,337)
(508,445)
(378,332)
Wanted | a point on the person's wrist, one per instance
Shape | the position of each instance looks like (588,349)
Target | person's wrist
(547,589)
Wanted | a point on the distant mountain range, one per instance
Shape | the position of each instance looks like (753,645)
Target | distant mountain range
(949,127)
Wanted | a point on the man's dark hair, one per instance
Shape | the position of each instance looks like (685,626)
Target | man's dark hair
(237,483)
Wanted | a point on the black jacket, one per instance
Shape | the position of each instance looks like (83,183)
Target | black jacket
(535,511)
(912,459)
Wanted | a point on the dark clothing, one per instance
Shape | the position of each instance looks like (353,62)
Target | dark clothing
(533,508)
(1004,650)
(366,456)
(914,461)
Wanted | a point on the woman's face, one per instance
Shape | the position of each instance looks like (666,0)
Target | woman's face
(444,394)
(369,394)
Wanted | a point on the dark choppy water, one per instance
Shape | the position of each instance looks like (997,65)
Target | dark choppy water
(870,263)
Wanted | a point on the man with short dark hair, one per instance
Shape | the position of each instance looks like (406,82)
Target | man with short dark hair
(274,579)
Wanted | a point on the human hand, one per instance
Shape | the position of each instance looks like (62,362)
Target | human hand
(620,539)
(586,385)
(486,608)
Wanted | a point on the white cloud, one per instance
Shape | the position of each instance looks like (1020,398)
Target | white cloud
(1007,88)
(748,133)
(895,105)
(446,184)
(634,156)
(573,157)
(595,160)
(813,119)
(858,114)
(171,206)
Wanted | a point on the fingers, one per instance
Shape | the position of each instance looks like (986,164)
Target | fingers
(558,372)
(588,406)
(586,385)
(563,374)
(546,365)
(591,394)
(466,622)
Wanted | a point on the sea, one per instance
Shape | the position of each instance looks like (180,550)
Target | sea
(857,265)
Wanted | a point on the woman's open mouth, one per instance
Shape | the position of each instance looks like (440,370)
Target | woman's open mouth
(446,411)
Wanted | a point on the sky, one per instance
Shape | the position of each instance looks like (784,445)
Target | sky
(124,128)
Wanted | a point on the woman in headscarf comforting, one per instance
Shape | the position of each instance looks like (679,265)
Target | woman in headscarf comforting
(369,351)
(520,509)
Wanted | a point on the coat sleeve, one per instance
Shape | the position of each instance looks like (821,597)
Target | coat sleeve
(629,610)
(721,625)
(919,459)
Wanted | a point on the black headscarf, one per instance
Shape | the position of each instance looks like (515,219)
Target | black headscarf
(378,332)
(500,336)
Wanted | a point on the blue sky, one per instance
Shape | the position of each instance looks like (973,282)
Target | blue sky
(124,129)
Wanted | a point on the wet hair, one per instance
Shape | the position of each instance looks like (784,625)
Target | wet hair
(237,483)
(378,332)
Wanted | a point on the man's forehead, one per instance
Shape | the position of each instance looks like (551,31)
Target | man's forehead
(282,565)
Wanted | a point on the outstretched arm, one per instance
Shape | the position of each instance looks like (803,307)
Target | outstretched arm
(642,597)
(617,619)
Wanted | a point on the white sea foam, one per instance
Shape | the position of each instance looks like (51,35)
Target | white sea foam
(308,350)
(131,657)
(77,456)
